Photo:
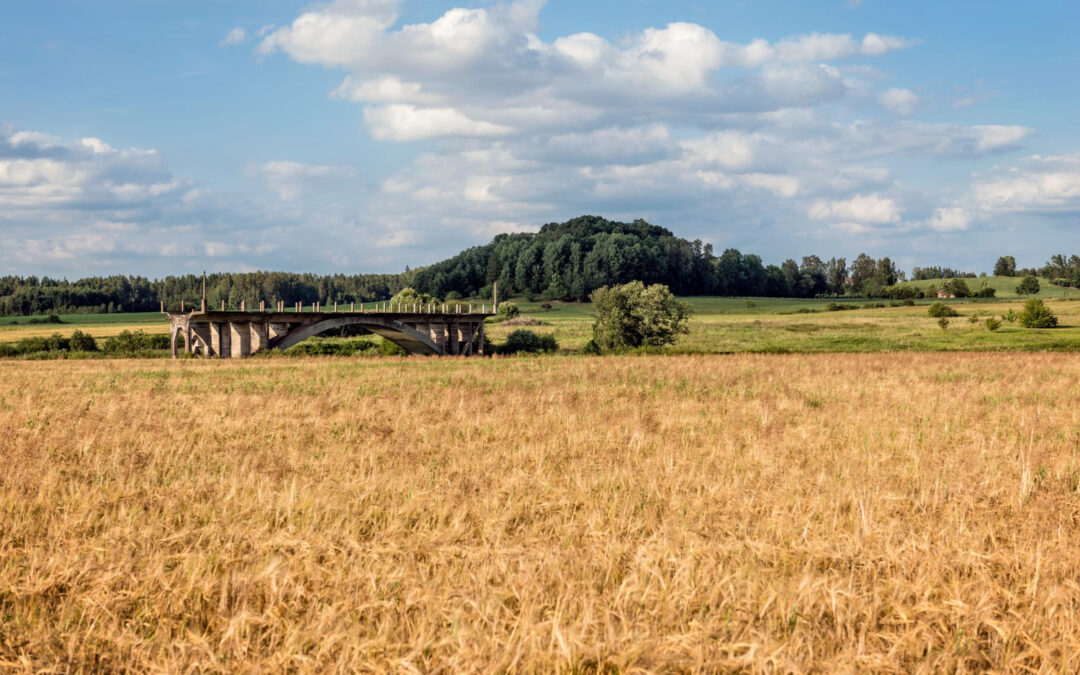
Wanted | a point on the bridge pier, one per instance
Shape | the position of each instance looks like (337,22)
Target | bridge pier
(240,337)
(219,340)
(260,336)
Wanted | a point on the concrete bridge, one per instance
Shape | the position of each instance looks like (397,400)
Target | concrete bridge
(444,330)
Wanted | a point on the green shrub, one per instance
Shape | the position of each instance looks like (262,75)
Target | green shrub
(1028,286)
(82,342)
(388,348)
(131,342)
(943,323)
(7,350)
(1037,315)
(992,324)
(750,304)
(591,348)
(908,302)
(528,342)
(52,318)
(508,310)
(941,310)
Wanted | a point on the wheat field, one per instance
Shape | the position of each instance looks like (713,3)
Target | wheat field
(872,512)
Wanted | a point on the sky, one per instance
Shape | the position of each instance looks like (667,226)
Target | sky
(160,137)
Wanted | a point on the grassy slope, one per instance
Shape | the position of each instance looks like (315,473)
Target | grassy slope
(1006,287)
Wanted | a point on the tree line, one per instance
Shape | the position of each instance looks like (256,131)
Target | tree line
(563,261)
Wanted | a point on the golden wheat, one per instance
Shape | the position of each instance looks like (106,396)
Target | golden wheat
(896,512)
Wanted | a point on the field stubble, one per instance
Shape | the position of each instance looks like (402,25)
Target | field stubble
(891,512)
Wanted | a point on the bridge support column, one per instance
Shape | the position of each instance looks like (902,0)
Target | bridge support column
(260,336)
(438,336)
(240,337)
(276,330)
(201,334)
(173,332)
(219,340)
(452,337)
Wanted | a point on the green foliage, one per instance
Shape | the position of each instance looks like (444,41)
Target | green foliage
(1037,315)
(943,322)
(508,310)
(750,304)
(993,324)
(839,307)
(1010,316)
(1005,266)
(526,341)
(83,342)
(635,315)
(388,348)
(1028,286)
(941,310)
(410,296)
(134,342)
(322,347)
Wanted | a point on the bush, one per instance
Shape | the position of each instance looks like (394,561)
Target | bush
(992,324)
(750,304)
(941,310)
(943,322)
(633,315)
(452,296)
(508,310)
(82,342)
(528,342)
(1037,315)
(131,342)
(1010,316)
(410,296)
(7,350)
(908,302)
(1029,286)
(591,348)
(837,307)
(985,292)
(388,348)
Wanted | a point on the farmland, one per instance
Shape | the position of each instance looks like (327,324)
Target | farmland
(738,325)
(886,512)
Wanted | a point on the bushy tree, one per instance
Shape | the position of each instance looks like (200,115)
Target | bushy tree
(940,310)
(508,310)
(634,315)
(1005,266)
(83,342)
(526,341)
(1028,286)
(409,296)
(1037,315)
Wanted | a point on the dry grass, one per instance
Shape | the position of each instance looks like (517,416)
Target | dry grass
(913,512)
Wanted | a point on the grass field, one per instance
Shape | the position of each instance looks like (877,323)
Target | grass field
(853,512)
(729,325)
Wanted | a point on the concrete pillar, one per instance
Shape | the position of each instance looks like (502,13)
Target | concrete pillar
(173,332)
(189,344)
(202,332)
(438,336)
(480,345)
(260,336)
(240,339)
(452,339)
(219,340)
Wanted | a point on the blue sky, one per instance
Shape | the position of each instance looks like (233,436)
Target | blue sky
(168,136)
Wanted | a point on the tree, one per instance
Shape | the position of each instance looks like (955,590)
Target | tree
(1029,286)
(634,315)
(1037,315)
(1005,266)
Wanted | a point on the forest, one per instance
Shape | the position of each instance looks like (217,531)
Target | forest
(563,261)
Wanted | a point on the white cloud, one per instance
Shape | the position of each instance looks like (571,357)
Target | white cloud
(402,122)
(950,219)
(871,209)
(234,37)
(899,101)
(1037,185)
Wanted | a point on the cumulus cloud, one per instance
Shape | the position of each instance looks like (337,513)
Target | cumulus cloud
(1038,185)
(950,219)
(899,101)
(864,209)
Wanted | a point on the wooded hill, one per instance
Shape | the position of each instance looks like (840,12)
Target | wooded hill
(563,261)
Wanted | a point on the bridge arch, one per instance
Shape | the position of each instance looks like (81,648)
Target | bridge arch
(401,334)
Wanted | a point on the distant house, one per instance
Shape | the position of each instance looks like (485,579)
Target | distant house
(944,293)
